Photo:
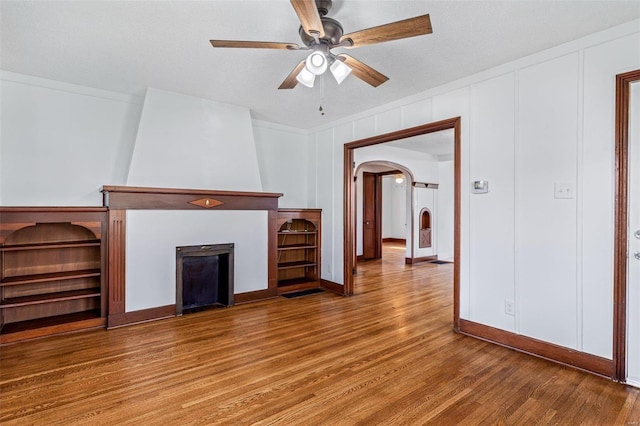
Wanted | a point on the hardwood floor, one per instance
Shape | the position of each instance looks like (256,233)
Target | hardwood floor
(385,356)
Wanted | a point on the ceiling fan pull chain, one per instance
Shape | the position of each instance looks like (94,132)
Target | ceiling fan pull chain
(321,94)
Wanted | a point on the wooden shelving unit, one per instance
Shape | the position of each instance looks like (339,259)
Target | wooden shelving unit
(299,240)
(51,271)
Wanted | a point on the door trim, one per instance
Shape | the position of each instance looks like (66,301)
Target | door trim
(623,87)
(349,215)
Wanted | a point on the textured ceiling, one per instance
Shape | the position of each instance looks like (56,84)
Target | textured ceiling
(127,46)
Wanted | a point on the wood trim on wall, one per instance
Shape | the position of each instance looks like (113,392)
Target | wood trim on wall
(46,331)
(581,360)
(272,252)
(394,240)
(332,286)
(255,296)
(132,197)
(143,315)
(349,215)
(457,184)
(412,260)
(117,220)
(623,87)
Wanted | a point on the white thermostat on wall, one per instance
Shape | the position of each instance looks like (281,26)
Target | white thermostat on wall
(480,187)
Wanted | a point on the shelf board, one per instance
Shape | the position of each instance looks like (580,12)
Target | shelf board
(297,232)
(55,276)
(37,299)
(52,245)
(297,246)
(297,264)
(296,282)
(54,321)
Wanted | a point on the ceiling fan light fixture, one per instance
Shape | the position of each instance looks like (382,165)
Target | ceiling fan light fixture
(316,63)
(340,70)
(306,77)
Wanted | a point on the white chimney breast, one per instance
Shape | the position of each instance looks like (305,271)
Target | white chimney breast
(188,142)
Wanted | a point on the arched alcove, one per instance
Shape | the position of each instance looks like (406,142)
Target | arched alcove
(425,228)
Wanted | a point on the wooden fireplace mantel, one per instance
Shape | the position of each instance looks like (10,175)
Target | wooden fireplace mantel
(136,198)
(119,199)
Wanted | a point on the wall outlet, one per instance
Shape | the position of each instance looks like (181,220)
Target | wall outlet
(509,307)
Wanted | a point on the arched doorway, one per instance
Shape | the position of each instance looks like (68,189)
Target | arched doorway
(383,207)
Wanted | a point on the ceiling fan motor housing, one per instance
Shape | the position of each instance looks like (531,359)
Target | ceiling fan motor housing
(332,33)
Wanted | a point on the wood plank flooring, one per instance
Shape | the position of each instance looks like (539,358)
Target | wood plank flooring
(385,356)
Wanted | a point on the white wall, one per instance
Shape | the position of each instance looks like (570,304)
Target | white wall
(188,142)
(61,142)
(152,238)
(283,159)
(445,201)
(526,125)
(547,242)
(394,208)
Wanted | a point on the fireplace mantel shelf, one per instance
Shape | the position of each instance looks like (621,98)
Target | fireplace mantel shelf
(137,198)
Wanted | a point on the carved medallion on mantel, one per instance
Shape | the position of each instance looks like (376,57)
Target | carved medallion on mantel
(206,202)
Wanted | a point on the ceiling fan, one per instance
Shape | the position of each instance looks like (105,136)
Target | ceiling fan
(320,34)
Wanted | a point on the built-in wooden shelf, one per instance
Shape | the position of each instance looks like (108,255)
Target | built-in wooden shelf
(58,296)
(298,251)
(51,270)
(53,245)
(297,232)
(296,264)
(53,321)
(297,246)
(293,282)
(54,276)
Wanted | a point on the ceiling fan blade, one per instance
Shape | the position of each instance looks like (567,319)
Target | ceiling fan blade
(256,44)
(419,25)
(290,82)
(363,71)
(307,11)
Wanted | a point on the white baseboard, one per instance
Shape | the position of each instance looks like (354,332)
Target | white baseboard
(633,382)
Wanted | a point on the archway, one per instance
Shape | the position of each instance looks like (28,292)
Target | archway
(375,204)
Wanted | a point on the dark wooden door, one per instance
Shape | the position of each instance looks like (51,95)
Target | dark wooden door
(371,214)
